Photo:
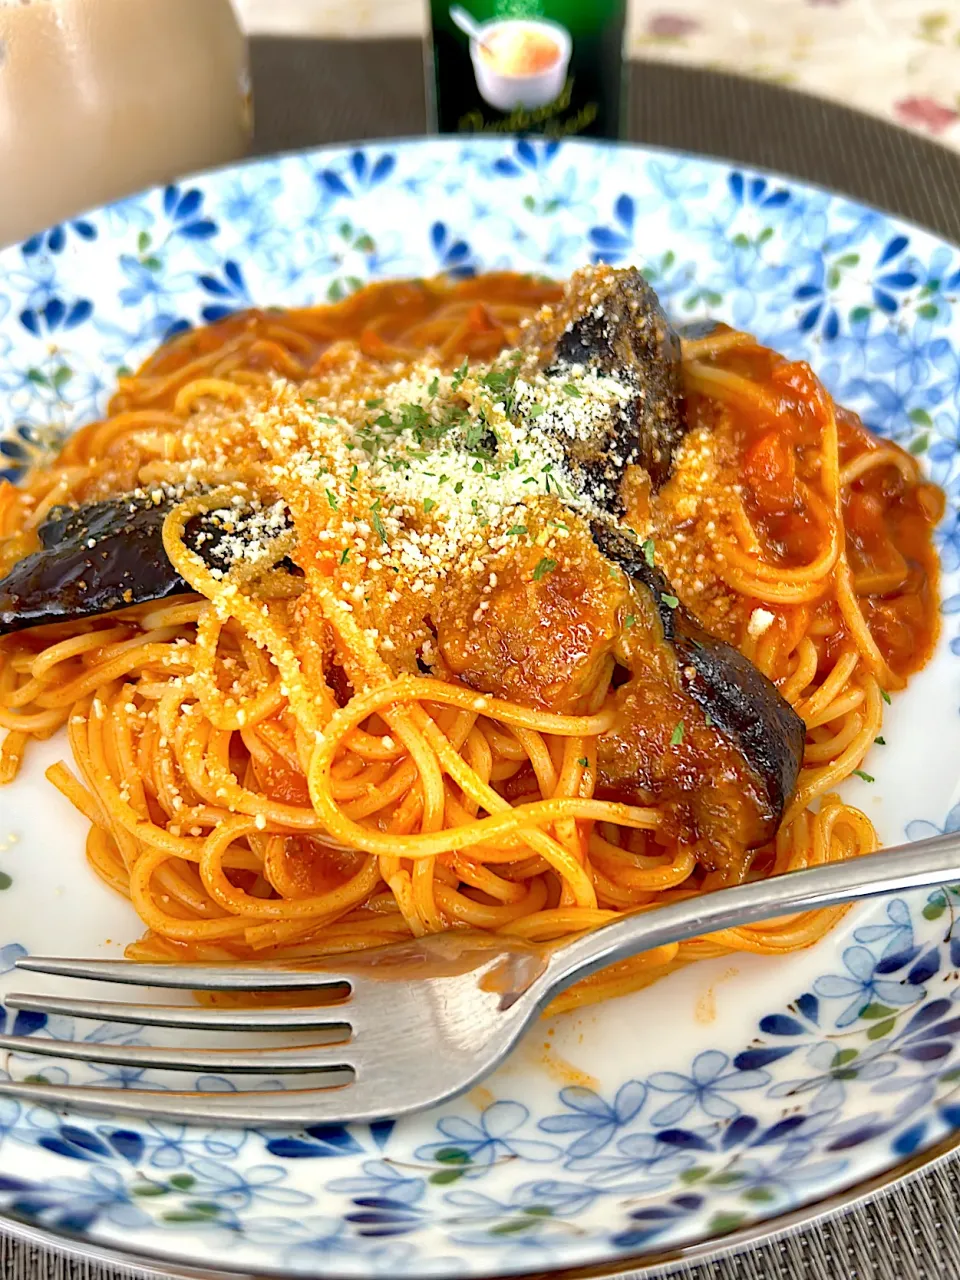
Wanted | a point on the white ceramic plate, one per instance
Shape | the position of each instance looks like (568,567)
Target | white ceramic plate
(733,1093)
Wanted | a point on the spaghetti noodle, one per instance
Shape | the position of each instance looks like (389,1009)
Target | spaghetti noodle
(293,757)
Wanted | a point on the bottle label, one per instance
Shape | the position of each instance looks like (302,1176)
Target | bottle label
(550,67)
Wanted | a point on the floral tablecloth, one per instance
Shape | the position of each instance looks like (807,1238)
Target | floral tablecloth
(899,59)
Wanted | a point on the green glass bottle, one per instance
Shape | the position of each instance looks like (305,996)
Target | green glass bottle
(550,67)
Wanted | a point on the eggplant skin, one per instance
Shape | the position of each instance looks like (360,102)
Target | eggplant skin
(740,700)
(614,325)
(70,579)
(101,557)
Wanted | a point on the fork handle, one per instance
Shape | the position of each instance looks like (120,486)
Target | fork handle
(920,865)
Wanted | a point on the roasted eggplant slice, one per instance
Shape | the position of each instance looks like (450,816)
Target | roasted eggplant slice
(611,323)
(739,699)
(106,556)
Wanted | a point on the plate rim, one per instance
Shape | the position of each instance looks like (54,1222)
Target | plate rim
(642,1266)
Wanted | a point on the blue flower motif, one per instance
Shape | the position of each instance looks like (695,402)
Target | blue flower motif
(383,1181)
(56,314)
(830,1068)
(896,935)
(319,1142)
(452,253)
(614,244)
(361,173)
(783,1175)
(939,282)
(670,277)
(230,288)
(185,212)
(641,1164)
(908,354)
(862,986)
(529,155)
(888,408)
(37,281)
(54,240)
(25,448)
(895,276)
(77,1204)
(238,1189)
(168,1146)
(920,829)
(305,1243)
(494,1138)
(706,1087)
(594,1119)
(816,296)
(678,187)
(247,204)
(149,283)
(757,191)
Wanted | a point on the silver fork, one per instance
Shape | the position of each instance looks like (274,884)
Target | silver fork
(411,1025)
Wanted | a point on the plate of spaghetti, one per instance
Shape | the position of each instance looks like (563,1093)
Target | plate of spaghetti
(504,537)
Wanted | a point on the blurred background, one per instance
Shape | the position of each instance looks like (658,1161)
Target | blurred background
(897,59)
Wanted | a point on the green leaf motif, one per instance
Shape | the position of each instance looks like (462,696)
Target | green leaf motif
(696,1174)
(721,1223)
(452,1155)
(182,1181)
(529,203)
(874,1011)
(881,1029)
(512,1228)
(843,1056)
(920,417)
(757,1195)
(5,880)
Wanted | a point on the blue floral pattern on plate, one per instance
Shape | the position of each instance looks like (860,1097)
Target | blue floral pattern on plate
(729,1094)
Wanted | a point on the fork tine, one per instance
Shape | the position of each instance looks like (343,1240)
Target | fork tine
(286,1109)
(194,1017)
(252,975)
(284,1059)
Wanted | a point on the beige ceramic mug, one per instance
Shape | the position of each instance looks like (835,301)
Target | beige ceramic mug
(101,97)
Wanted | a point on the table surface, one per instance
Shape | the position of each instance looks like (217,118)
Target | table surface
(374,88)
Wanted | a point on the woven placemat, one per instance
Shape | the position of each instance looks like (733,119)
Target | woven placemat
(308,92)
